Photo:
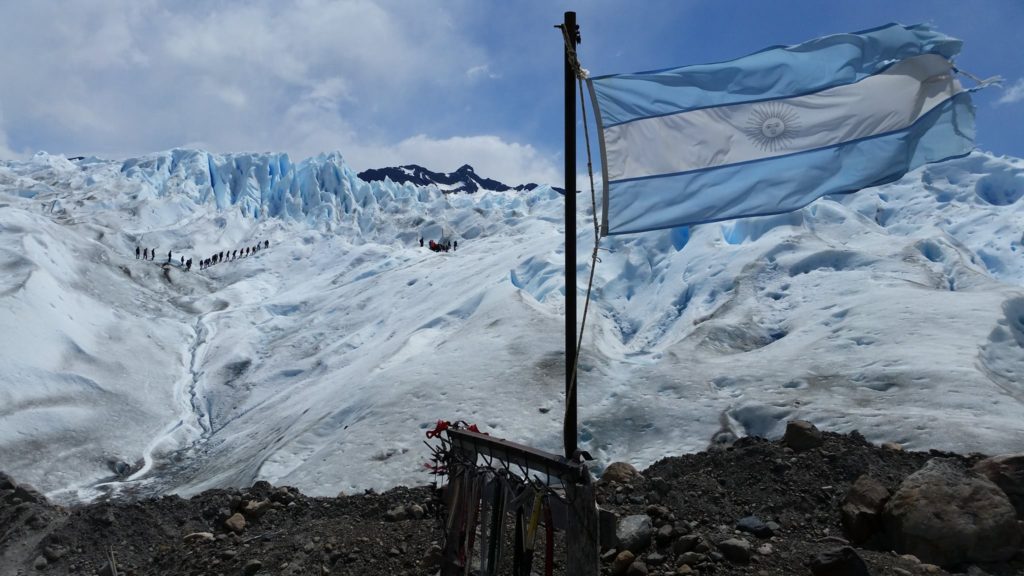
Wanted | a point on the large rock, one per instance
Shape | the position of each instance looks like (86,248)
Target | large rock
(861,512)
(755,526)
(735,550)
(634,533)
(802,435)
(622,472)
(1007,472)
(945,515)
(236,523)
(623,560)
(839,562)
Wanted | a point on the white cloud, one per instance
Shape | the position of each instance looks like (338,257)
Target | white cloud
(1014,93)
(127,77)
(373,79)
(482,71)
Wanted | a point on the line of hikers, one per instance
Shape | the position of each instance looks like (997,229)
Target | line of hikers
(147,254)
(441,246)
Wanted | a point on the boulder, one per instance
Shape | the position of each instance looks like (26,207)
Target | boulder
(236,523)
(253,509)
(755,526)
(637,568)
(622,472)
(622,562)
(664,535)
(396,514)
(1007,472)
(685,544)
(634,533)
(735,550)
(802,435)
(946,515)
(861,512)
(54,552)
(839,562)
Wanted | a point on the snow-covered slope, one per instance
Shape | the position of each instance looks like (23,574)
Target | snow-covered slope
(320,361)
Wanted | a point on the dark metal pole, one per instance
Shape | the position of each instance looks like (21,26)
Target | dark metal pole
(569,427)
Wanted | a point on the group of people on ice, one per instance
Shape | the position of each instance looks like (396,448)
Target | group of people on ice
(147,254)
(234,254)
(443,246)
(150,254)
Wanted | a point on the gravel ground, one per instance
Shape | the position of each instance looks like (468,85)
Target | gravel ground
(694,502)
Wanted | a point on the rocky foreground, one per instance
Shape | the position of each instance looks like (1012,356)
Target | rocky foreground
(812,503)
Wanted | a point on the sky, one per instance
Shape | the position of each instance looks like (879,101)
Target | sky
(436,83)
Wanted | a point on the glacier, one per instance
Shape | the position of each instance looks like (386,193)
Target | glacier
(319,362)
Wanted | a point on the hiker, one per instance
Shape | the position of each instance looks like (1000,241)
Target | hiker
(145,253)
(152,254)
(182,260)
(136,252)
(266,243)
(421,241)
(456,248)
(188,265)
(234,254)
(168,256)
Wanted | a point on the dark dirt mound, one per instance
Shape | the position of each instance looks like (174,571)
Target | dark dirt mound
(694,501)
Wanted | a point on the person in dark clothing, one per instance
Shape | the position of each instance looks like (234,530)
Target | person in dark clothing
(145,253)
(152,254)
(421,242)
(456,245)
(136,252)
(266,243)
(188,265)
(168,256)
(234,254)
(182,260)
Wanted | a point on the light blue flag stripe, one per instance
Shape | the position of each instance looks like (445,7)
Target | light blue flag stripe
(786,183)
(773,73)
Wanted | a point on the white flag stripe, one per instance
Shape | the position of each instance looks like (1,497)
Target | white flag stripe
(719,136)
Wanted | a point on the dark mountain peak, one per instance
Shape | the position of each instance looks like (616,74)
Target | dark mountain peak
(464,179)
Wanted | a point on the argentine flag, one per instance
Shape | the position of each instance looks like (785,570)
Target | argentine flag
(773,131)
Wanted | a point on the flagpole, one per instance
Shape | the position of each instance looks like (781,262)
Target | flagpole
(569,426)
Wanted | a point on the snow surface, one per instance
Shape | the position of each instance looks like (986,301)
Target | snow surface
(897,311)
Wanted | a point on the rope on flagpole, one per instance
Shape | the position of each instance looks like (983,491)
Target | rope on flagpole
(993,80)
(581,74)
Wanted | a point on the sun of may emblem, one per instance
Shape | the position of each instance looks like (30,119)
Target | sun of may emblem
(773,126)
